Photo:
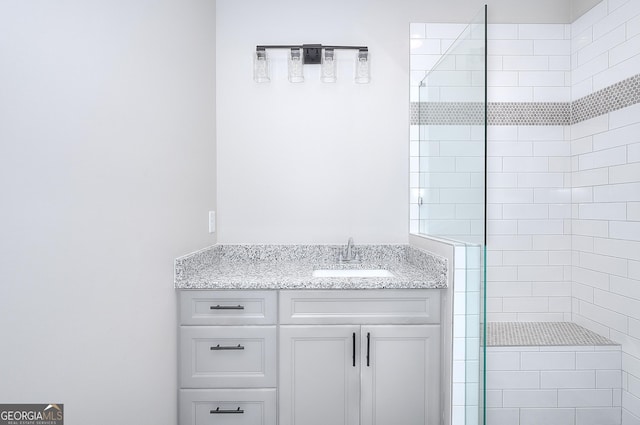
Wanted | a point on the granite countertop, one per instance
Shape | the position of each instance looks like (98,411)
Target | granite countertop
(292,266)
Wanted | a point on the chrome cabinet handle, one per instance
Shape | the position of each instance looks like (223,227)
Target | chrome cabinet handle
(225,411)
(227,307)
(227,347)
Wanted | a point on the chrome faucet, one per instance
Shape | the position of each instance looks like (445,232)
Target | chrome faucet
(349,255)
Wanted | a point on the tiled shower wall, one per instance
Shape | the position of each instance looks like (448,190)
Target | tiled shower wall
(564,193)
(605,163)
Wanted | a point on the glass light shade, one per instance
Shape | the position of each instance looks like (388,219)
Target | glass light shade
(261,67)
(363,75)
(296,71)
(328,69)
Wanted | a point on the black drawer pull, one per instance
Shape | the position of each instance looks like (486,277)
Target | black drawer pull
(225,411)
(227,347)
(227,307)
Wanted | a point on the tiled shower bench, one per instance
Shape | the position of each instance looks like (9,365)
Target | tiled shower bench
(551,373)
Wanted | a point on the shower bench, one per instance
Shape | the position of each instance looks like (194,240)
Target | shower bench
(551,372)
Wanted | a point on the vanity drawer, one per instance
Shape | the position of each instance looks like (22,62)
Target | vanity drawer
(386,306)
(228,407)
(227,356)
(228,307)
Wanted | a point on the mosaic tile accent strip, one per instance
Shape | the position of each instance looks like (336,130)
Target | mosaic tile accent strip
(620,95)
(541,334)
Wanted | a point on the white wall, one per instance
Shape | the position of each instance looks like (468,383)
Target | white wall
(107,153)
(313,162)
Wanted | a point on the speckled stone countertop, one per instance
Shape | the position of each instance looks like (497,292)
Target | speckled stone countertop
(292,266)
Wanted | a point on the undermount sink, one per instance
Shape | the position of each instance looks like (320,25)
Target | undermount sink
(352,273)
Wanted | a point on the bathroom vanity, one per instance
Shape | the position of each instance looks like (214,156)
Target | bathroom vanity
(291,346)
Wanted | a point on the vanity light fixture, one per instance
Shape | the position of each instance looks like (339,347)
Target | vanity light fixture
(311,54)
(328,69)
(261,66)
(296,73)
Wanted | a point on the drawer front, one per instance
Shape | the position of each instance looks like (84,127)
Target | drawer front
(228,307)
(227,356)
(227,407)
(387,306)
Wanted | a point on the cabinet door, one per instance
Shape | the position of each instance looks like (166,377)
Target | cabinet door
(400,375)
(319,375)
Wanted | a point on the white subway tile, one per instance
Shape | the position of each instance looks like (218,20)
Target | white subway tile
(623,192)
(560,211)
(548,416)
(551,289)
(560,63)
(633,26)
(551,94)
(522,164)
(603,263)
(510,196)
(530,398)
(605,211)
(540,227)
(560,304)
(618,137)
(552,47)
(525,305)
(625,51)
(541,31)
(633,211)
(616,73)
(601,45)
(525,63)
(502,274)
(503,416)
(444,30)
(628,230)
(582,292)
(598,416)
(592,177)
(590,127)
(424,62)
(509,242)
(592,278)
(540,273)
(615,19)
(582,194)
(551,242)
(603,316)
(603,158)
(598,228)
(510,47)
(548,361)
(581,89)
(625,173)
(507,94)
(625,116)
(608,379)
(582,39)
(502,79)
(631,403)
(503,361)
(513,380)
(502,132)
(510,148)
(568,379)
(589,69)
(552,196)
(525,211)
(599,360)
(587,20)
(633,152)
(582,243)
(417,31)
(618,247)
(585,397)
(541,78)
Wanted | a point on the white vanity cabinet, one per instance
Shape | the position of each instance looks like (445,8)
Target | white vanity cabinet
(227,358)
(309,357)
(359,357)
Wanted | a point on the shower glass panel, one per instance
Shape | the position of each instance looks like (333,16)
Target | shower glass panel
(452,198)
